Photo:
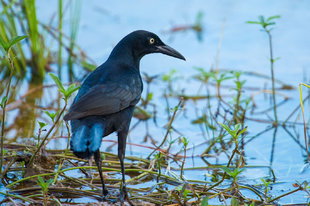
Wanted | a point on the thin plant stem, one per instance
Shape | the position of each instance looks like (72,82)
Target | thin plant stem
(59,37)
(303,115)
(39,135)
(66,153)
(3,110)
(26,199)
(168,128)
(272,76)
(46,136)
(182,166)
(224,176)
(237,105)
(285,194)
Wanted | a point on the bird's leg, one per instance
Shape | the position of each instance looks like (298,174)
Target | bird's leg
(122,136)
(98,161)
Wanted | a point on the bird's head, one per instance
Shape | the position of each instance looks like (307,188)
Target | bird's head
(143,42)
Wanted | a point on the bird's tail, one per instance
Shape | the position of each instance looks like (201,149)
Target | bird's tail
(86,139)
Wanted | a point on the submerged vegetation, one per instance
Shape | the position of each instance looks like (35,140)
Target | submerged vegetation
(204,119)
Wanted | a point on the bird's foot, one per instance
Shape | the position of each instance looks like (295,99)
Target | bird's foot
(105,192)
(106,196)
(123,194)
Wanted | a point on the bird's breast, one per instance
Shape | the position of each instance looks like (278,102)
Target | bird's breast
(137,85)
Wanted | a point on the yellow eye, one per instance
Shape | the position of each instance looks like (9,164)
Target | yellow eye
(152,40)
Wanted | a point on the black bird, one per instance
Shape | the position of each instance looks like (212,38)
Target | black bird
(106,100)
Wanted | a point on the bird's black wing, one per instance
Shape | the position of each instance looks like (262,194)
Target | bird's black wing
(103,100)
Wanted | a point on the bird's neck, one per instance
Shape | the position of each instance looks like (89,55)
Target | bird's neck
(124,54)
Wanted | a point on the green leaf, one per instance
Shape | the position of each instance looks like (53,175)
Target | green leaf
(269,24)
(103,156)
(200,120)
(204,201)
(234,202)
(227,129)
(141,114)
(16,40)
(185,141)
(242,131)
(41,180)
(273,17)
(4,45)
(51,115)
(72,88)
(49,181)
(237,127)
(236,172)
(58,82)
(253,22)
(275,59)
(7,45)
(42,124)
(261,19)
(88,66)
(199,17)
(185,193)
(3,101)
(150,96)
(266,183)
(227,170)
(169,76)
(226,78)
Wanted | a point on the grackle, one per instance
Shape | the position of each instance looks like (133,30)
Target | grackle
(106,100)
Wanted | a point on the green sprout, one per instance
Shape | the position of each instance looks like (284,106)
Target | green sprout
(6,46)
(52,115)
(44,187)
(265,23)
(234,174)
(66,92)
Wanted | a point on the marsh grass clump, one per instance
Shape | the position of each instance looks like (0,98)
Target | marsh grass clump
(41,37)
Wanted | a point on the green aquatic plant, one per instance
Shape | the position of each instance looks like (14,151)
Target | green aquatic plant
(42,125)
(205,201)
(185,142)
(234,133)
(52,115)
(266,184)
(234,202)
(239,85)
(44,188)
(75,13)
(38,50)
(303,115)
(159,160)
(6,47)
(223,76)
(67,94)
(266,24)
(233,173)
(60,45)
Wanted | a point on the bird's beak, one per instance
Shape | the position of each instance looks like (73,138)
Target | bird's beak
(164,49)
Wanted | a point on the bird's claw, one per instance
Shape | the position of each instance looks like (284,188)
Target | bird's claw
(123,194)
(105,192)
(106,197)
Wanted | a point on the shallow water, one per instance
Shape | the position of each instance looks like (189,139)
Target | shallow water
(244,47)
